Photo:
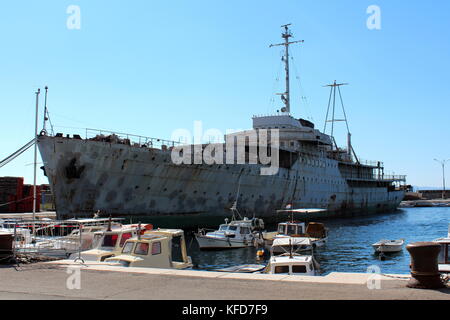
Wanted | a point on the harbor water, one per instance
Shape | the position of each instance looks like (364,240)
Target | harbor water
(349,247)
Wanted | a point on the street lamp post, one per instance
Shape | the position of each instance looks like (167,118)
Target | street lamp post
(442,162)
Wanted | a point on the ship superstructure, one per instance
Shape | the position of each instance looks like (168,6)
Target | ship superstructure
(124,175)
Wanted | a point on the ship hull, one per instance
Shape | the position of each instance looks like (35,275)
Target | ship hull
(124,180)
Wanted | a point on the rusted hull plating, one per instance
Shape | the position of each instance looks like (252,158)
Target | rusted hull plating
(122,180)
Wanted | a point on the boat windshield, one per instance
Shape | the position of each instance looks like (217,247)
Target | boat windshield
(291,229)
(109,240)
(128,247)
(281,228)
(124,238)
(96,240)
(228,228)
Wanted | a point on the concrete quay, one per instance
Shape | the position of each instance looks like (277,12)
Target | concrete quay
(98,281)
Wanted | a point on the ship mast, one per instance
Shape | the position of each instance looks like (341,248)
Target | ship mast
(286,96)
(336,86)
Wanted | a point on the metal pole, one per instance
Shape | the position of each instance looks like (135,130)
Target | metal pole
(334,105)
(14,241)
(288,94)
(442,162)
(443,180)
(35,159)
(45,110)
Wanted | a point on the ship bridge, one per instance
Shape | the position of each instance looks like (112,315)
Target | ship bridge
(291,130)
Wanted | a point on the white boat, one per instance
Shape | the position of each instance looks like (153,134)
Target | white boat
(316,232)
(49,237)
(233,234)
(444,255)
(388,246)
(161,248)
(292,264)
(284,264)
(110,242)
(246,268)
(288,263)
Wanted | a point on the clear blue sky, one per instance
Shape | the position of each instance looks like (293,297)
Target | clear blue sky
(150,67)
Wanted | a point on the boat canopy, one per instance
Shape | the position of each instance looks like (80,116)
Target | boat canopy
(282,242)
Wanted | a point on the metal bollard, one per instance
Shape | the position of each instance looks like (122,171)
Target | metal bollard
(424,265)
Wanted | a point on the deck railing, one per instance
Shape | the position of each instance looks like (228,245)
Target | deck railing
(122,138)
(132,138)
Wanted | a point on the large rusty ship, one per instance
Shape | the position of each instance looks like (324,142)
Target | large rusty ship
(126,175)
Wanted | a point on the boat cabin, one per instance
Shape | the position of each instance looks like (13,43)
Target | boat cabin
(290,244)
(291,228)
(444,255)
(109,243)
(161,248)
(236,228)
(292,264)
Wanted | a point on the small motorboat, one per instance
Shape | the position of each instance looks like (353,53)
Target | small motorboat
(233,234)
(315,232)
(110,242)
(293,264)
(444,254)
(388,246)
(160,248)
